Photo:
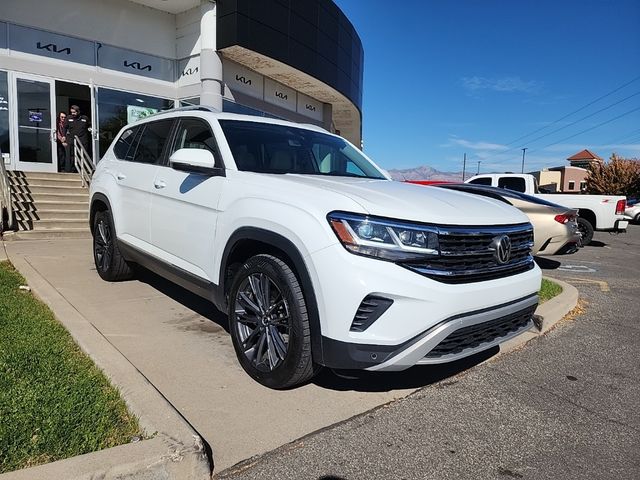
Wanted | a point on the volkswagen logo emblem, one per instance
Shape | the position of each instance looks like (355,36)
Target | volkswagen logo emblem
(501,247)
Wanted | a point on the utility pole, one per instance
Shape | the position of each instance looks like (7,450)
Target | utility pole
(464,166)
(523,152)
(478,172)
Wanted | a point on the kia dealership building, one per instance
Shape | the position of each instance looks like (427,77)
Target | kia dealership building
(120,60)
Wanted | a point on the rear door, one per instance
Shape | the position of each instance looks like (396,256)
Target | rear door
(134,172)
(184,205)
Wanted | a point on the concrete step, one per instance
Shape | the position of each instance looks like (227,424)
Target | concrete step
(75,205)
(49,234)
(34,175)
(53,214)
(60,224)
(72,181)
(57,189)
(50,197)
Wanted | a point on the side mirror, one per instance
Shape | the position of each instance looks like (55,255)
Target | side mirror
(197,160)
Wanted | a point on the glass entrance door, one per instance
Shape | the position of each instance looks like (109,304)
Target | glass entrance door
(35,123)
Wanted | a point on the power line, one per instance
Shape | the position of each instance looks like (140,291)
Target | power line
(574,122)
(575,111)
(589,129)
(624,137)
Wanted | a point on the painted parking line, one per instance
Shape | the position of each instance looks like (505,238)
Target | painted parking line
(604,286)
(576,268)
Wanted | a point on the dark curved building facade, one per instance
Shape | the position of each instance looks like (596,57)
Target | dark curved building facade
(309,45)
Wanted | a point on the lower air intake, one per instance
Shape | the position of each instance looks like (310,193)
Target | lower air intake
(369,311)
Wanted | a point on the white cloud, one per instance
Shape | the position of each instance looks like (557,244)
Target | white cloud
(502,84)
(454,140)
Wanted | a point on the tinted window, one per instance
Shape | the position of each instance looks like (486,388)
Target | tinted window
(269,148)
(152,141)
(194,133)
(512,183)
(123,148)
(481,181)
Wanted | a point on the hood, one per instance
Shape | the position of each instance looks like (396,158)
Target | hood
(418,203)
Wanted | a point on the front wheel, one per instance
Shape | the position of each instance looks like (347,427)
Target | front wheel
(586,229)
(269,323)
(110,263)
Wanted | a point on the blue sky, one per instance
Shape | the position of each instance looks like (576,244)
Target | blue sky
(447,77)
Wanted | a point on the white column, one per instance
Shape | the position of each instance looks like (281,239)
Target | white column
(210,63)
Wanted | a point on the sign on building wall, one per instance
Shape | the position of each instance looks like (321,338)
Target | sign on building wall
(136,63)
(280,95)
(52,45)
(189,71)
(243,80)
(309,107)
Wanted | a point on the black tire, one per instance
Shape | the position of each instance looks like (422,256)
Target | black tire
(269,323)
(586,229)
(110,263)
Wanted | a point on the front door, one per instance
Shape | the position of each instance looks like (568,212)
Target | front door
(36,124)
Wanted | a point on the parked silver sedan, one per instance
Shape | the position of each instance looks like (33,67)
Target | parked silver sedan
(555,229)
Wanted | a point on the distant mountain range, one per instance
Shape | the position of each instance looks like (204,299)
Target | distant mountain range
(425,172)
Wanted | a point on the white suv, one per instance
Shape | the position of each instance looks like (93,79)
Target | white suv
(315,254)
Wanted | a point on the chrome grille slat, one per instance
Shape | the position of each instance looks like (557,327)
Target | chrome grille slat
(466,254)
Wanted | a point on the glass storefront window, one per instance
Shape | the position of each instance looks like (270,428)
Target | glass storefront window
(4,117)
(233,107)
(117,109)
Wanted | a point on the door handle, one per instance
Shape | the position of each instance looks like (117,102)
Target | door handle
(120,176)
(159,184)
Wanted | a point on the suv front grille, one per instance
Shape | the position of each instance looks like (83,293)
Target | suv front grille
(466,254)
(475,336)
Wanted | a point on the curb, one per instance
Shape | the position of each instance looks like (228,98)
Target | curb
(175,451)
(550,313)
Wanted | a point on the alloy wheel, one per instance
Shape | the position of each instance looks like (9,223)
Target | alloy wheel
(103,245)
(263,321)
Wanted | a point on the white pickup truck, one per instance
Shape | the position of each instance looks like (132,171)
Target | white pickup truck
(604,213)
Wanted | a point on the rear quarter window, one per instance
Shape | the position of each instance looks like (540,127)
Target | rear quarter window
(516,184)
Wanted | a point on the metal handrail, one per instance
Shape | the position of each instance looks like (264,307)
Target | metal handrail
(5,198)
(83,163)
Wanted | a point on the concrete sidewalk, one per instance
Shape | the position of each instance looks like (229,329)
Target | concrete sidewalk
(179,343)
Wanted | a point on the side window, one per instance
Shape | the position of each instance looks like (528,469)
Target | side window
(481,181)
(152,142)
(512,183)
(194,133)
(123,148)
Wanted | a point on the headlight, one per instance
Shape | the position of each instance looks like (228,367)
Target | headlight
(384,239)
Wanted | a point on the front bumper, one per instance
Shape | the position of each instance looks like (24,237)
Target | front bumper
(452,339)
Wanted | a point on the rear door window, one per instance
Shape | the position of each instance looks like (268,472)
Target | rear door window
(152,142)
(516,184)
(481,181)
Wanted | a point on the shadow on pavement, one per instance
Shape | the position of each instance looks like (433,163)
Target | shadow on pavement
(546,263)
(190,300)
(415,377)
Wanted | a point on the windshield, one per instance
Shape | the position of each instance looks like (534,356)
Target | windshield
(269,148)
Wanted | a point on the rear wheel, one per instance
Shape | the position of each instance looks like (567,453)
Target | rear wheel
(586,229)
(110,263)
(269,323)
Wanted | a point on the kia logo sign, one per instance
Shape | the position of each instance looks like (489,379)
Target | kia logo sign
(310,107)
(243,79)
(501,247)
(53,48)
(137,66)
(190,71)
(281,95)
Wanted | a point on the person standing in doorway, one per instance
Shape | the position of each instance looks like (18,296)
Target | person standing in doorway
(77,126)
(61,140)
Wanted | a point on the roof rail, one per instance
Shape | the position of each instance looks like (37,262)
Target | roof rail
(189,108)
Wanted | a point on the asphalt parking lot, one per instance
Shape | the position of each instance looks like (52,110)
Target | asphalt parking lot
(565,406)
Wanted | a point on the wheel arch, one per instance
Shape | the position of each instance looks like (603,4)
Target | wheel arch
(249,241)
(99,203)
(588,215)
